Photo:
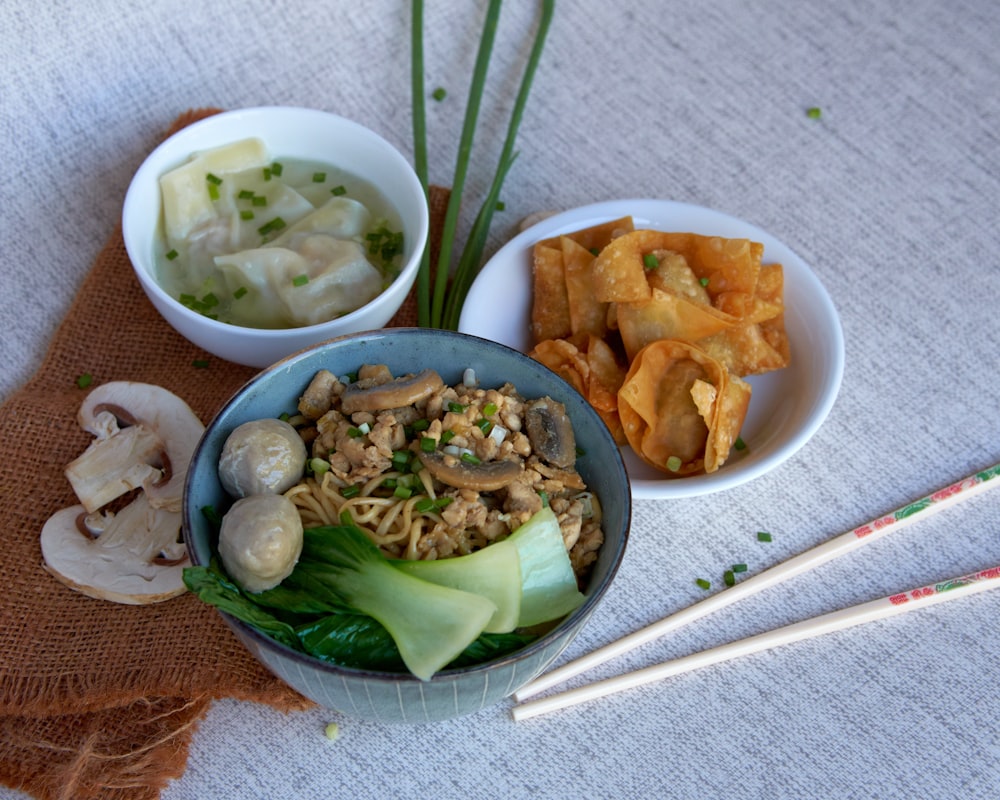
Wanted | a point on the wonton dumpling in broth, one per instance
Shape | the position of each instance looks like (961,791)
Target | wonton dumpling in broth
(322,278)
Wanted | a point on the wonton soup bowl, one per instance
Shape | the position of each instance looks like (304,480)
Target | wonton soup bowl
(401,697)
(288,133)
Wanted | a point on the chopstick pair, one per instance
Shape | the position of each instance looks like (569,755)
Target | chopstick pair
(827,623)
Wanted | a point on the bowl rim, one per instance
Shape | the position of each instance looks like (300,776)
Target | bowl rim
(575,618)
(151,168)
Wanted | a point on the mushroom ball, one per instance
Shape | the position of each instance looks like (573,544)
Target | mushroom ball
(264,456)
(260,541)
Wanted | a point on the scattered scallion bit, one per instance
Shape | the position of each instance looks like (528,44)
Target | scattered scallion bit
(337,191)
(439,94)
(490,409)
(484,425)
(245,194)
(729,578)
(421,424)
(402,492)
(213,191)
(319,466)
(763,536)
(447,436)
(384,243)
(319,177)
(595,251)
(650,261)
(444,502)
(739,568)
(200,363)
(501,205)
(703,281)
(84,380)
(355,433)
(240,292)
(814,113)
(172,254)
(300,280)
(424,504)
(215,180)
(332,731)
(469,458)
(246,214)
(267,173)
(673,463)
(545,498)
(581,451)
(273,226)
(739,444)
(259,200)
(277,168)
(212,514)
(457,408)
(701,583)
(350,491)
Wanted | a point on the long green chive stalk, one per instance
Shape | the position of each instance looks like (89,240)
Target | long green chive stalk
(462,162)
(472,254)
(420,151)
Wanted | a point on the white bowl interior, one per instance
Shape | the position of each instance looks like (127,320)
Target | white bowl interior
(787,406)
(288,133)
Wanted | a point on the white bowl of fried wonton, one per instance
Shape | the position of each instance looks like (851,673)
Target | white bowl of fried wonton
(787,406)
(309,143)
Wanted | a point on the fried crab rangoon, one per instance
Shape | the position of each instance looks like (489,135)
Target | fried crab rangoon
(657,329)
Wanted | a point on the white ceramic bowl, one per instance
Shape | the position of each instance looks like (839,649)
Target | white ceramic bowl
(787,406)
(288,133)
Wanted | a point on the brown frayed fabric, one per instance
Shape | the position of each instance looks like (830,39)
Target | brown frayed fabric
(99,699)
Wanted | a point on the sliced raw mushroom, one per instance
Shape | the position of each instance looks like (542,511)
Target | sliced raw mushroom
(487,476)
(402,391)
(144,438)
(132,556)
(551,432)
(156,410)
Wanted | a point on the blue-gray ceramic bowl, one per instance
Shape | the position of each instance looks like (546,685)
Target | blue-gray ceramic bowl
(397,697)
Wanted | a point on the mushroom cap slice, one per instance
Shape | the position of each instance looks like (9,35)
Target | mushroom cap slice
(158,410)
(487,476)
(131,557)
(403,391)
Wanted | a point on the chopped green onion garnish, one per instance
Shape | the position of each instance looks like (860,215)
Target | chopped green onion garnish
(650,261)
(458,408)
(215,180)
(703,584)
(350,491)
(703,281)
(545,498)
(240,292)
(501,205)
(439,94)
(490,409)
(332,731)
(388,483)
(763,536)
(84,380)
(594,251)
(739,444)
(673,463)
(267,173)
(425,504)
(245,194)
(274,225)
(739,567)
(200,363)
(346,518)
(729,578)
(814,112)
(484,425)
(401,457)
(319,466)
(447,436)
(337,191)
(211,514)
(259,200)
(171,255)
(355,433)
(580,451)
(246,214)
(421,424)
(319,177)
(300,280)
(468,458)
(210,300)
(402,492)
(427,444)
(276,168)
(444,502)
(213,191)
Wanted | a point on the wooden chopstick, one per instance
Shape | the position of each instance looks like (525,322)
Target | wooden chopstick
(822,553)
(807,629)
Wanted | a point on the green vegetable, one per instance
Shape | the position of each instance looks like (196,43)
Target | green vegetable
(439,94)
(729,578)
(703,584)
(337,191)
(739,567)
(84,380)
(548,585)
(814,112)
(673,463)
(493,572)
(430,624)
(763,536)
(650,261)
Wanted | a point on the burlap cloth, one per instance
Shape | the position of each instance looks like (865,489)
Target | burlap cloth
(99,699)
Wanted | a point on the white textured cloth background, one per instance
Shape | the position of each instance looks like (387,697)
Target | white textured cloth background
(891,196)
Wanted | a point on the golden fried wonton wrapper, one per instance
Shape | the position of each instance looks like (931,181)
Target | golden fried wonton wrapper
(681,409)
(550,318)
(587,315)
